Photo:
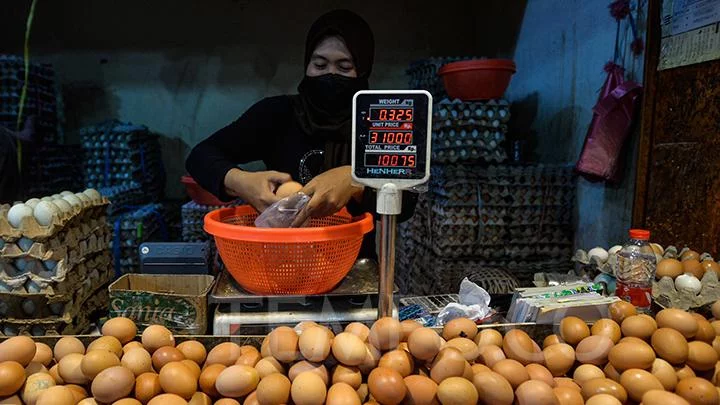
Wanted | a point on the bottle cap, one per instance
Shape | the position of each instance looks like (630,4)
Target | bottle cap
(640,234)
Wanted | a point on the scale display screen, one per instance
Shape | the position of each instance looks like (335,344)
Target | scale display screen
(391,135)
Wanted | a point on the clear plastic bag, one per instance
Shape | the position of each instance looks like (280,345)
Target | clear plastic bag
(282,213)
(474,304)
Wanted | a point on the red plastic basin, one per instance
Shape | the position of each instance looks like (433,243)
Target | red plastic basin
(481,79)
(199,194)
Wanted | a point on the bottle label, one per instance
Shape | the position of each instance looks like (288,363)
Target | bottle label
(640,297)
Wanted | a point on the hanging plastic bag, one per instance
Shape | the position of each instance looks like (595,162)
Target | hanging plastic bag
(474,304)
(282,213)
(613,118)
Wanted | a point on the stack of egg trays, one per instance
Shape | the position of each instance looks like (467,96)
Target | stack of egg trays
(123,196)
(50,169)
(469,131)
(64,297)
(423,74)
(130,230)
(193,221)
(41,98)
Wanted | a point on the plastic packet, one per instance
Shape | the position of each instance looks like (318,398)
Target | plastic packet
(474,304)
(282,213)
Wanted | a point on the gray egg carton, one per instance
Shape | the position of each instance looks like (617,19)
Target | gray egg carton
(423,75)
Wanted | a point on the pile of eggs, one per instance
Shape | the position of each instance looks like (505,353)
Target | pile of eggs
(687,271)
(46,209)
(632,358)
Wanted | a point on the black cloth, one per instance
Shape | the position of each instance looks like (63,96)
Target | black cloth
(268,131)
(9,174)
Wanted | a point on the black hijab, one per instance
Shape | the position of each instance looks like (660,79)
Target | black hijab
(323,106)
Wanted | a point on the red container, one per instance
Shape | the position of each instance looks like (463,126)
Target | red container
(481,79)
(199,194)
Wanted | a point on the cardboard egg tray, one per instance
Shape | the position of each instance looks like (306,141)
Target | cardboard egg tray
(31,229)
(122,196)
(447,113)
(468,154)
(130,230)
(46,282)
(52,168)
(71,244)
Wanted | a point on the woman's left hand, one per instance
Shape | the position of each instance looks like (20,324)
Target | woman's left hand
(330,192)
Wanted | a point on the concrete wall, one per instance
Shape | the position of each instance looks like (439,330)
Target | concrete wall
(561,50)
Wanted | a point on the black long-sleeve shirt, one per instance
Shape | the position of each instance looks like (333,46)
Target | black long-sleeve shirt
(269,132)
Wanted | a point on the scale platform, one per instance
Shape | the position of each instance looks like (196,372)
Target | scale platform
(239,312)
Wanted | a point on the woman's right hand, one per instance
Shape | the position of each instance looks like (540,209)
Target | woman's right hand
(255,188)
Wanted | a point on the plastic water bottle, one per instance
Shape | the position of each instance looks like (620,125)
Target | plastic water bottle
(636,270)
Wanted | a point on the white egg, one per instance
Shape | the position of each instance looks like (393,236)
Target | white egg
(56,196)
(93,194)
(64,193)
(48,199)
(32,202)
(45,212)
(688,282)
(63,206)
(73,200)
(16,214)
(614,250)
(84,199)
(600,253)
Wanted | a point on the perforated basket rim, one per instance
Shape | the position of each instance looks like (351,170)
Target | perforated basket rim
(358,227)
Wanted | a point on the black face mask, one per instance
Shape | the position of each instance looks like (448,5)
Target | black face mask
(329,96)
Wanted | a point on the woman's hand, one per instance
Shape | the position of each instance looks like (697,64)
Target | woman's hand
(330,192)
(255,188)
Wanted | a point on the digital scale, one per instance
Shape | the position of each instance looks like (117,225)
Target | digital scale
(390,153)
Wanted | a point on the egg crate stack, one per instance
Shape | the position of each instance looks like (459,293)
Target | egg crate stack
(130,230)
(193,221)
(469,131)
(119,153)
(423,74)
(123,196)
(50,169)
(63,298)
(41,96)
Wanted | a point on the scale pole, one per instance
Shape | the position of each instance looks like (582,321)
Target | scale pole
(387,264)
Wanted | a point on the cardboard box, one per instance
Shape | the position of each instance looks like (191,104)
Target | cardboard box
(177,301)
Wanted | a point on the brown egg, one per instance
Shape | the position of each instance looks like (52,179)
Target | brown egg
(269,365)
(14,400)
(603,399)
(200,398)
(624,356)
(491,354)
(314,344)
(559,358)
(706,332)
(587,372)
(407,327)
(34,385)
(308,389)
(689,255)
(12,377)
(112,384)
(275,390)
(250,358)
(96,361)
(620,310)
(513,371)
(78,392)
(387,386)
(358,329)
(468,373)
(488,337)
(70,369)
(637,382)
(639,326)
(157,336)
(693,267)
(385,334)
(460,327)
(265,348)
(669,268)
(109,343)
(479,368)
(249,400)
(568,396)
(132,345)
(540,373)
(665,373)
(284,344)
(237,381)
(710,265)
(303,366)
(716,344)
(55,374)
(424,343)
(657,397)
(697,391)
(670,345)
(349,349)
(167,399)
(123,329)
(421,390)
(466,346)
(701,356)
(43,354)
(34,368)
(535,393)
(348,375)
(20,349)
(493,389)
(287,189)
(567,383)
(611,373)
(519,346)
(594,350)
(342,394)
(225,353)
(133,401)
(573,330)
(147,386)
(398,360)
(607,327)
(193,350)
(604,386)
(57,395)
(448,363)
(364,391)
(551,340)
(457,391)
(138,361)
(207,379)
(165,355)
(67,345)
(684,372)
(631,339)
(193,367)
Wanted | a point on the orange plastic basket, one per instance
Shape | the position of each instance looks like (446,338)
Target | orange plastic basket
(297,261)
